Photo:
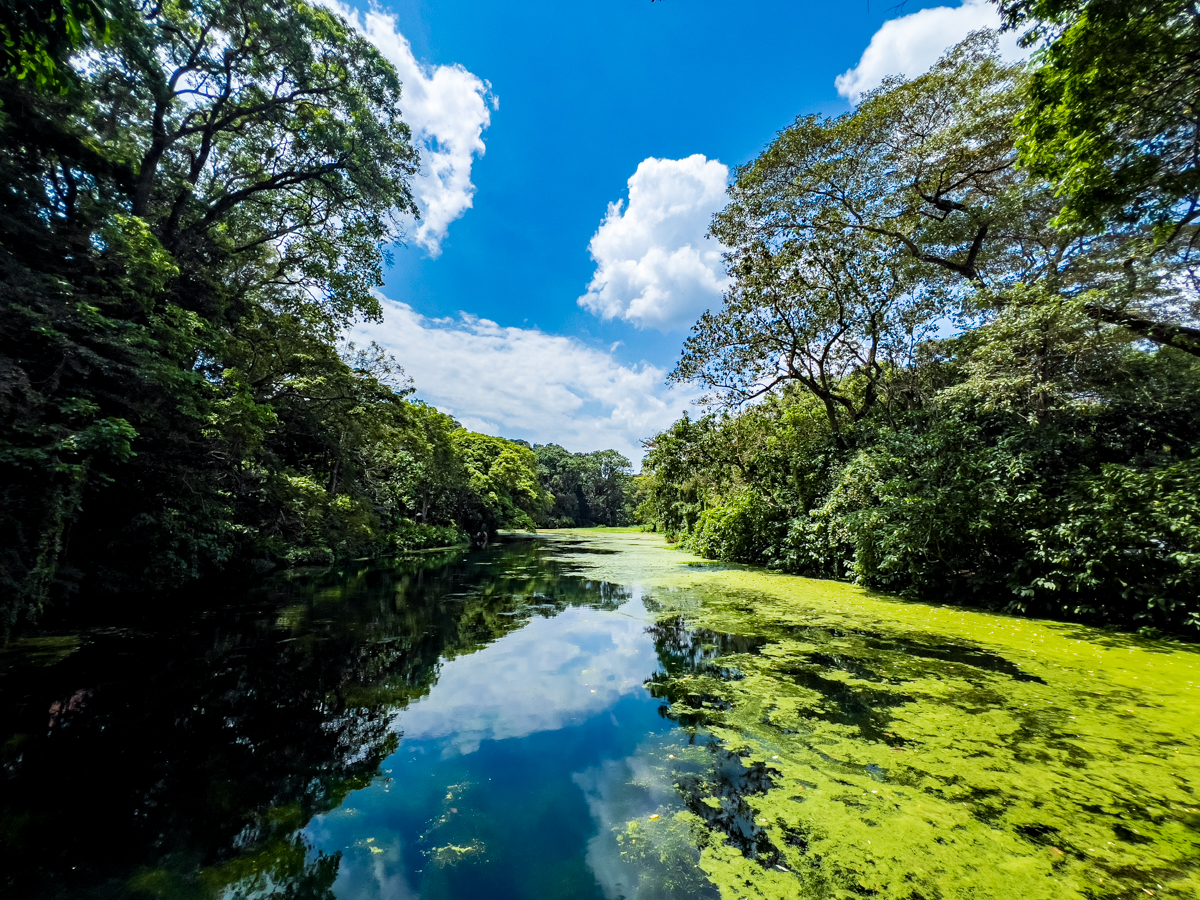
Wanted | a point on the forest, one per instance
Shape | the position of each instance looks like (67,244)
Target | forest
(958,359)
(198,199)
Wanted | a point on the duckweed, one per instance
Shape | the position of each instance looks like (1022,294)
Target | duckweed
(865,746)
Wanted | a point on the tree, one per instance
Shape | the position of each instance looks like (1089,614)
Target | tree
(851,238)
(608,490)
(503,478)
(678,474)
(588,488)
(1111,118)
(1041,460)
(1110,122)
(558,476)
(184,234)
(920,184)
(923,171)
(417,470)
(37,36)
(812,314)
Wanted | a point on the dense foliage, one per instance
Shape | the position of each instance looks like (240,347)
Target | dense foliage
(195,201)
(957,388)
(1111,116)
(588,488)
(958,356)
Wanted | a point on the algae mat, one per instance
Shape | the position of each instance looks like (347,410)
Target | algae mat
(862,746)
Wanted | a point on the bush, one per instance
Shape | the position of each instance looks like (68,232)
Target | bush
(742,530)
(410,536)
(1127,546)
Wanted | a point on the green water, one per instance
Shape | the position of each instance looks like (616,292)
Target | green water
(596,715)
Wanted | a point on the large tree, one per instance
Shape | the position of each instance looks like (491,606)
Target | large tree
(815,314)
(1112,122)
(186,229)
(503,476)
(851,239)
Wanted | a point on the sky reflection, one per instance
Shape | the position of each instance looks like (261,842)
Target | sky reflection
(552,673)
(516,772)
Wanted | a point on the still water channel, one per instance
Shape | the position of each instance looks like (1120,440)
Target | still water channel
(594,715)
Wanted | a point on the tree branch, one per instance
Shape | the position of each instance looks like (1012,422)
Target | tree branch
(1166,334)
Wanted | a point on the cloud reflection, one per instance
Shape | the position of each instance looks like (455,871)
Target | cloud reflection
(552,673)
(660,862)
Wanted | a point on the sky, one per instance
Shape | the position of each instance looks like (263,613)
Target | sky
(572,157)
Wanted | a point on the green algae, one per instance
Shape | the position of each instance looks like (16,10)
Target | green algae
(41,650)
(663,847)
(453,854)
(916,751)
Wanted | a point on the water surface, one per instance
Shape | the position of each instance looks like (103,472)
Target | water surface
(594,716)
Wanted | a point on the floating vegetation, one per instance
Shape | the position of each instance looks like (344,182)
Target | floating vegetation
(453,854)
(864,746)
(976,756)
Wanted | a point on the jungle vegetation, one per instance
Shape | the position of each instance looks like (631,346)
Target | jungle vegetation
(959,356)
(587,488)
(196,201)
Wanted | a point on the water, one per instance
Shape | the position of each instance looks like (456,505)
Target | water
(594,717)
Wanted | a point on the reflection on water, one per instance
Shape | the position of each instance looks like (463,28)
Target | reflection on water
(215,756)
(580,718)
(507,765)
(552,674)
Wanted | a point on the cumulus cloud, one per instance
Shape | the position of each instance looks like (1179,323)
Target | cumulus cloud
(447,109)
(654,267)
(910,44)
(375,869)
(619,791)
(525,383)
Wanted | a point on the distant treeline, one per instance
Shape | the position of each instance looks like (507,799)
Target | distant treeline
(960,355)
(586,488)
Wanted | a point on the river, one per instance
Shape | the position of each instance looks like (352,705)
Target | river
(595,715)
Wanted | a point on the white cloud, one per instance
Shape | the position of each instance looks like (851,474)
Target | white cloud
(910,44)
(654,267)
(525,383)
(447,109)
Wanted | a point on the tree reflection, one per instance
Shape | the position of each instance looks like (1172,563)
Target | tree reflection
(182,761)
(692,666)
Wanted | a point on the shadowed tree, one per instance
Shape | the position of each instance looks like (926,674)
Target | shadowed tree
(186,230)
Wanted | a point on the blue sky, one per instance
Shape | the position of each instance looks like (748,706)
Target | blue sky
(534,118)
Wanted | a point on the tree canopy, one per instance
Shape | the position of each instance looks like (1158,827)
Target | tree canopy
(198,201)
(956,385)
(587,488)
(1111,118)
